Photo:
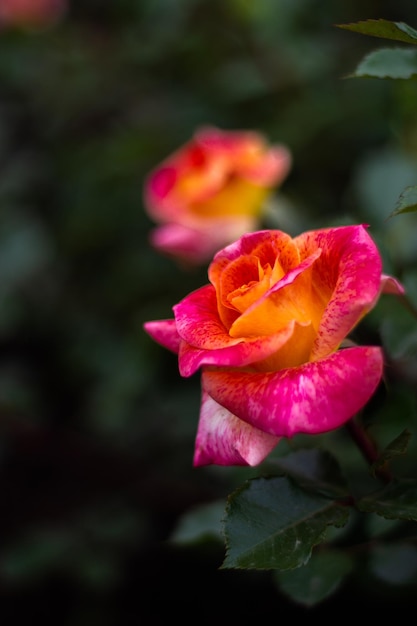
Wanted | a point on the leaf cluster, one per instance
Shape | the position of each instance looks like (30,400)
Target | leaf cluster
(397,63)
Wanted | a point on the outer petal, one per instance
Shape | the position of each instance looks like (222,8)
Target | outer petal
(182,242)
(313,398)
(206,341)
(347,275)
(165,333)
(159,203)
(223,439)
(199,242)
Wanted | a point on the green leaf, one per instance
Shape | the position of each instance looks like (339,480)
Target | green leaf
(273,524)
(395,448)
(396,501)
(200,524)
(383,28)
(318,579)
(387,63)
(379,527)
(316,470)
(407,202)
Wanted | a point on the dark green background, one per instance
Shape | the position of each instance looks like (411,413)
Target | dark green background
(96,426)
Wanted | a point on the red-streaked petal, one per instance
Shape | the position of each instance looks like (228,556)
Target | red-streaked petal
(347,274)
(198,321)
(165,333)
(313,398)
(239,355)
(206,341)
(223,439)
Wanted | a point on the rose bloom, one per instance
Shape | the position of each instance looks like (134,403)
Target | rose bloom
(269,334)
(211,191)
(31,13)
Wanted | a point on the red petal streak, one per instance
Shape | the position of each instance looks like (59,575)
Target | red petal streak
(206,341)
(313,398)
(232,355)
(198,321)
(223,439)
(347,275)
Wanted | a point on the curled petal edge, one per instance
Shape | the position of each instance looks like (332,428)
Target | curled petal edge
(313,398)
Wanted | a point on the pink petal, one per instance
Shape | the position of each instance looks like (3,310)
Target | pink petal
(206,341)
(313,398)
(239,355)
(348,272)
(197,241)
(160,203)
(162,181)
(223,439)
(165,333)
(182,242)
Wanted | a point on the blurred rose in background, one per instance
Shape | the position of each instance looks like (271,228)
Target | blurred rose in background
(211,191)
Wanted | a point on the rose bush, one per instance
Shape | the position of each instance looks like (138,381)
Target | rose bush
(211,191)
(269,334)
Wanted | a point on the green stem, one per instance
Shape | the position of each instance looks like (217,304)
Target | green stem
(367,447)
(406,302)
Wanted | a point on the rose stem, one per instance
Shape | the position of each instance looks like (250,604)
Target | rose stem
(368,448)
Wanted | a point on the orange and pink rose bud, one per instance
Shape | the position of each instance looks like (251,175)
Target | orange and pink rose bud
(211,191)
(268,334)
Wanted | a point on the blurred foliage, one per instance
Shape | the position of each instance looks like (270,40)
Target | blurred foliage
(96,427)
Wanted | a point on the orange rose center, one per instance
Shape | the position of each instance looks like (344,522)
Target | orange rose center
(245,295)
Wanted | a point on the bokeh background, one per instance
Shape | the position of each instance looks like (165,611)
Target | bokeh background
(96,426)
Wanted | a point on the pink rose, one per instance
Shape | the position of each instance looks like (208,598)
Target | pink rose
(268,334)
(211,191)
